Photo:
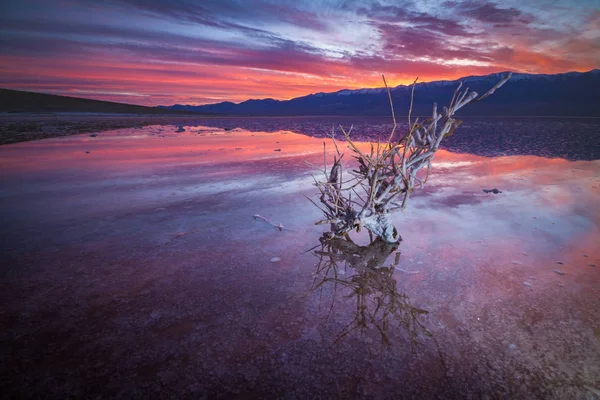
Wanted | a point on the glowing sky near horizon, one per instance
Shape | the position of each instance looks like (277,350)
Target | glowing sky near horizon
(153,52)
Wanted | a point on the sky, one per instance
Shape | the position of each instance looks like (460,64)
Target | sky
(155,52)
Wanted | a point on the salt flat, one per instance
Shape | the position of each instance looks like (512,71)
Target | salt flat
(132,267)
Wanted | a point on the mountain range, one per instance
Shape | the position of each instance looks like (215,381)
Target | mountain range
(565,94)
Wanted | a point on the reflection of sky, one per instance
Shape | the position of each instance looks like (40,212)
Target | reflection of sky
(548,208)
(154,52)
(139,187)
(148,242)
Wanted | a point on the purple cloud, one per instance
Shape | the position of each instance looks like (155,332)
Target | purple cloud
(280,49)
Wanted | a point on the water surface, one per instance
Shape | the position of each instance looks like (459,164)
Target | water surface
(133,268)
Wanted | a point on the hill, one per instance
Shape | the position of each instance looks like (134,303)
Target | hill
(16,101)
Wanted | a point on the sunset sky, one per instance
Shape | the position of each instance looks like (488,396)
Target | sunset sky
(155,52)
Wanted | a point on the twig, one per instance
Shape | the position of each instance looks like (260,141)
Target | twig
(407,272)
(412,96)
(392,107)
(178,235)
(278,226)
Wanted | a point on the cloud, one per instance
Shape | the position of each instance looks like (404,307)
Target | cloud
(208,51)
(387,14)
(489,12)
(226,14)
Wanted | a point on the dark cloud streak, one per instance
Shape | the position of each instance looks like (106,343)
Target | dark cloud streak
(489,12)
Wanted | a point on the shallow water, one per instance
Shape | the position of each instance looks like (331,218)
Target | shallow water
(569,138)
(133,268)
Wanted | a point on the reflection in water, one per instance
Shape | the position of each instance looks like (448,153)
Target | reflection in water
(359,273)
(223,320)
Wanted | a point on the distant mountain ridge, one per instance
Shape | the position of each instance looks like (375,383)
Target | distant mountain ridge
(565,94)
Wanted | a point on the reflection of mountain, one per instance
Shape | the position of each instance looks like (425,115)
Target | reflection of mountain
(357,272)
(567,94)
(569,138)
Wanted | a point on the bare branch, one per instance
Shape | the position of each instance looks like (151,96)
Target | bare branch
(412,97)
(496,87)
(392,107)
(387,176)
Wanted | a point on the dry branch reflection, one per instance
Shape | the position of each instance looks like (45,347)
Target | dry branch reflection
(358,272)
